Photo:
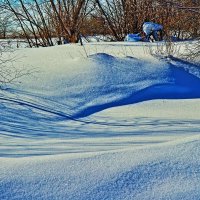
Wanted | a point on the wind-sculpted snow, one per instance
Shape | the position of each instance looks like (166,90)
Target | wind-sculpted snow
(65,106)
(127,128)
(168,171)
(108,82)
(125,81)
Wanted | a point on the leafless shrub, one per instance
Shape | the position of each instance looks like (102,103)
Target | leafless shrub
(192,51)
(165,49)
(9,73)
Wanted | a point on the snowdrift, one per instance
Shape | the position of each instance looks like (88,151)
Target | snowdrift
(65,98)
(127,127)
(106,82)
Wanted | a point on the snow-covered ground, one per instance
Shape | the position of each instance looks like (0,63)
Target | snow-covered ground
(105,122)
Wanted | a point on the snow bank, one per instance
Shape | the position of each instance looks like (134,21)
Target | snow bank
(62,101)
(127,125)
(79,87)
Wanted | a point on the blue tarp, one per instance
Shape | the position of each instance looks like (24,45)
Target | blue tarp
(133,37)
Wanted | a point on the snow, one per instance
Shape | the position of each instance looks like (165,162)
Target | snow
(148,27)
(169,171)
(118,124)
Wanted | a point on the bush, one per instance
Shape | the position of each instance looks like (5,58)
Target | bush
(9,74)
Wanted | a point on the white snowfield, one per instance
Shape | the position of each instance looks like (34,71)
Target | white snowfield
(108,122)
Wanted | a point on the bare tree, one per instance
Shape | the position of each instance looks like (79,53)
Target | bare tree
(41,20)
(69,16)
(32,22)
(114,13)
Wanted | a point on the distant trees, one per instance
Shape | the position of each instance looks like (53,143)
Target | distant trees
(5,22)
(33,22)
(180,18)
(40,21)
(126,16)
(5,25)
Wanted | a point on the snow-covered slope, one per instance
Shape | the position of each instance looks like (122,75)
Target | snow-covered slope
(143,111)
(169,171)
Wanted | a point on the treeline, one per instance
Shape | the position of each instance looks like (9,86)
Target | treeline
(39,21)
